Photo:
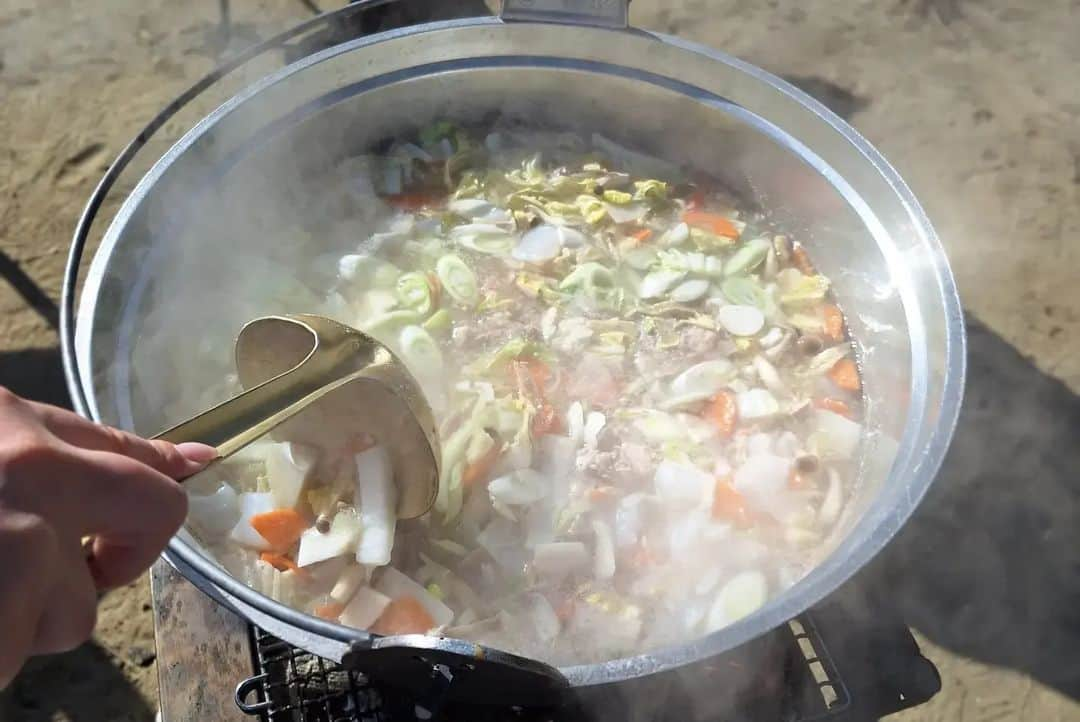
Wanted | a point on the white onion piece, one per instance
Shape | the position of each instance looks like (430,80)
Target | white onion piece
(675,236)
(364,608)
(544,619)
(288,466)
(377,498)
(243,533)
(741,596)
(681,484)
(470,207)
(604,552)
(476,229)
(629,519)
(761,478)
(594,423)
(836,436)
(396,585)
(703,380)
(626,213)
(830,507)
(759,444)
(341,539)
(538,245)
(656,283)
(501,539)
(559,559)
(214,515)
(689,291)
(519,488)
(770,376)
(346,585)
(756,404)
(575,421)
(741,320)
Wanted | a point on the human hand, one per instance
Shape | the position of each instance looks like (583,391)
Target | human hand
(63,478)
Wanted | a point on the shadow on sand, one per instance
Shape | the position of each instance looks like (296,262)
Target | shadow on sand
(83,684)
(989,565)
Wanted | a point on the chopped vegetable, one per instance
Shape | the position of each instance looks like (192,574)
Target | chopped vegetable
(747,258)
(743,595)
(845,374)
(723,411)
(339,540)
(279,561)
(834,405)
(413,291)
(559,559)
(728,504)
(834,322)
(366,607)
(521,487)
(457,280)
(396,585)
(330,612)
(288,466)
(280,527)
(377,496)
(712,222)
(741,320)
(214,515)
(243,532)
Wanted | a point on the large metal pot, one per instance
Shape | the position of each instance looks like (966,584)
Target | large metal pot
(181,266)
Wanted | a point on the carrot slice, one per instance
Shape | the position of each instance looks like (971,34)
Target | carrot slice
(280,527)
(845,374)
(696,201)
(329,612)
(641,236)
(802,261)
(414,201)
(546,421)
(834,322)
(435,286)
(729,504)
(599,494)
(478,470)
(280,562)
(404,615)
(834,405)
(723,412)
(712,222)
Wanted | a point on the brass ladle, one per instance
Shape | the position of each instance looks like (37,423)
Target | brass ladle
(347,385)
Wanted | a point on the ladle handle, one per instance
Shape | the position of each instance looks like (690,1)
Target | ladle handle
(233,424)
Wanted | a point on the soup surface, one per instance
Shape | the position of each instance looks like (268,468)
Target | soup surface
(647,403)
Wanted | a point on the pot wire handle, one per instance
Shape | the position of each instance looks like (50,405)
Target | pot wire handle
(599,13)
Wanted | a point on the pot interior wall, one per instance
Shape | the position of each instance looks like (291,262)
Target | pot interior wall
(244,218)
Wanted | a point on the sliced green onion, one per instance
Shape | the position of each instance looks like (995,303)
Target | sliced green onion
(747,258)
(420,352)
(458,279)
(743,291)
(439,321)
(414,292)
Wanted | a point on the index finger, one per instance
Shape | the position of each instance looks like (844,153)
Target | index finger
(177,461)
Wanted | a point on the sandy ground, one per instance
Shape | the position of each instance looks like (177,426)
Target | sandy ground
(975,101)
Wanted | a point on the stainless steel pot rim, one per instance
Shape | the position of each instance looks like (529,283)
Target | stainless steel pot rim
(919,465)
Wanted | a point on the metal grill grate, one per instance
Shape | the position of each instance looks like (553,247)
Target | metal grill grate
(293,685)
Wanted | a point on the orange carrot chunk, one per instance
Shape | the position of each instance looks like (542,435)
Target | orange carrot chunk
(546,421)
(834,405)
(404,615)
(801,259)
(845,374)
(280,527)
(834,322)
(280,562)
(729,504)
(642,235)
(723,412)
(712,222)
(329,612)
(478,471)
